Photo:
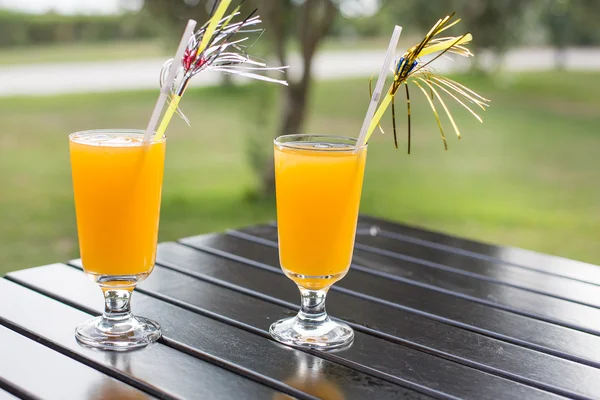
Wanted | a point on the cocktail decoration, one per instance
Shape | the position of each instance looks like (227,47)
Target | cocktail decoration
(216,46)
(409,68)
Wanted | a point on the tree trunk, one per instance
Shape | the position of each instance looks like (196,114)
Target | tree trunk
(226,80)
(314,18)
(292,121)
(560,58)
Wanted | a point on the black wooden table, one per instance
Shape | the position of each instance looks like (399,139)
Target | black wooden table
(435,317)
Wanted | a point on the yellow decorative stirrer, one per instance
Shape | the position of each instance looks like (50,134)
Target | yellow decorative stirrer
(410,69)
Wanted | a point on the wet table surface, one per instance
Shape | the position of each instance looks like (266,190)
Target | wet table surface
(435,316)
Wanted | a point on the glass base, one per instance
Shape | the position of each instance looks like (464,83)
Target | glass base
(325,334)
(127,334)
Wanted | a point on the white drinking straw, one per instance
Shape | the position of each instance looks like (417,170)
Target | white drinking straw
(379,85)
(166,87)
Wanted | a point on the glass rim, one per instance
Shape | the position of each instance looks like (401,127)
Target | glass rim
(352,141)
(115,131)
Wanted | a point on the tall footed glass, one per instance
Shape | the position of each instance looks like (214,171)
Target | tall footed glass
(318,183)
(117,183)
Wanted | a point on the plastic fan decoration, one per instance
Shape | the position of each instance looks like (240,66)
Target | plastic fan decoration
(410,69)
(216,46)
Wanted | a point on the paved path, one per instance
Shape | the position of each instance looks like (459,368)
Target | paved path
(55,78)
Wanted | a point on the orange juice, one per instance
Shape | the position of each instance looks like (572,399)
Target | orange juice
(318,195)
(117,181)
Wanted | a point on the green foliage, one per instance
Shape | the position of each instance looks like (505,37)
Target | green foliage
(17,29)
(170,16)
(376,25)
(570,22)
(495,24)
(260,128)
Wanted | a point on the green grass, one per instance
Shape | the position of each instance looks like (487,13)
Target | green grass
(138,49)
(82,52)
(527,177)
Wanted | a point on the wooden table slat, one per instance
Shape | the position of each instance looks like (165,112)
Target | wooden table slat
(202,336)
(158,369)
(257,315)
(435,376)
(435,316)
(507,274)
(525,258)
(466,265)
(443,340)
(553,339)
(47,374)
(396,363)
(524,302)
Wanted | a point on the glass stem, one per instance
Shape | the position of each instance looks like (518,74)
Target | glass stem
(117,305)
(312,306)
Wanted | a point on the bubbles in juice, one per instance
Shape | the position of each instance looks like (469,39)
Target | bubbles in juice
(107,139)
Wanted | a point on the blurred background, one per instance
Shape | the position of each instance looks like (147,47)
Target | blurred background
(527,177)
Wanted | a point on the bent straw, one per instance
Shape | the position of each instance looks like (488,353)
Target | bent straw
(362,138)
(164,90)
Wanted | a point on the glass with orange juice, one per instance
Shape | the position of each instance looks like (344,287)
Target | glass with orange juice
(318,182)
(117,183)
